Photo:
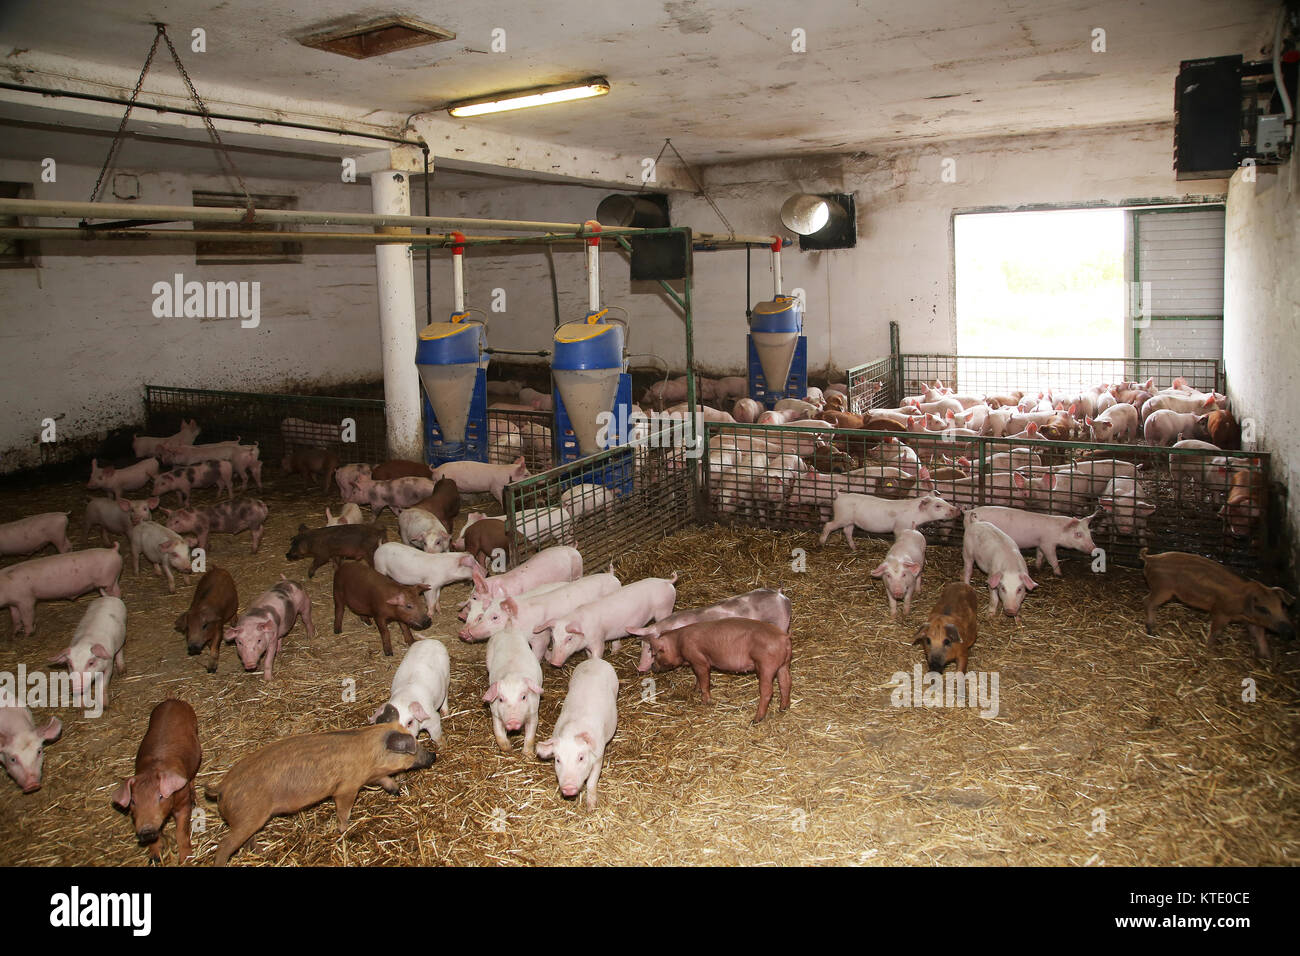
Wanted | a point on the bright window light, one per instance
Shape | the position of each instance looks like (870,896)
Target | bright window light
(1040,283)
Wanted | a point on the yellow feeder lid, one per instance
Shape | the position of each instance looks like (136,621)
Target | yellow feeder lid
(584,331)
(441,330)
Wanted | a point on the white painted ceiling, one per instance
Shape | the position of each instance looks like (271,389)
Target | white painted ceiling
(719,78)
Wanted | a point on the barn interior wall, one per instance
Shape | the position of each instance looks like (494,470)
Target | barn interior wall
(80,338)
(1261,346)
(86,311)
(900,270)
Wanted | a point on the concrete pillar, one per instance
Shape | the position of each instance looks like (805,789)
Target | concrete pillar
(391,193)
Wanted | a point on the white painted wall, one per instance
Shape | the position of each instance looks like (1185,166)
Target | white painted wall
(1261,345)
(79,338)
(901,269)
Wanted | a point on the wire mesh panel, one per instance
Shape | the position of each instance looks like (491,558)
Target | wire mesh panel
(515,432)
(871,385)
(606,503)
(275,422)
(1206,501)
(1063,376)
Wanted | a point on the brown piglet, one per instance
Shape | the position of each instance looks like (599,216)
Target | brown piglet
(399,468)
(952,628)
(738,645)
(1208,586)
(163,784)
(294,773)
(335,543)
(444,503)
(314,464)
(371,595)
(484,538)
(215,604)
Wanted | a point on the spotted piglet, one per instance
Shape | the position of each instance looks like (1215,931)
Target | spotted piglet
(271,616)
(225,517)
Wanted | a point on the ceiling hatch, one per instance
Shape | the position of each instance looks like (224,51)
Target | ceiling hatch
(377,37)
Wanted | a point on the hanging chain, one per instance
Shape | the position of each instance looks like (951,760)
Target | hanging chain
(218,146)
(121,127)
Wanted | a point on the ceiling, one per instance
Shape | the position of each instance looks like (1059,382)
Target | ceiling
(719,78)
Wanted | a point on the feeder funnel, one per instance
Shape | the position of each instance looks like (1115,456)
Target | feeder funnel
(447,357)
(775,329)
(587,363)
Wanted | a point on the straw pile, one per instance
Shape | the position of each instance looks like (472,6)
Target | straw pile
(1096,723)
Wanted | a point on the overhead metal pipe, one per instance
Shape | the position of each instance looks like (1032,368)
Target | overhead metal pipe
(187,111)
(435,240)
(60,209)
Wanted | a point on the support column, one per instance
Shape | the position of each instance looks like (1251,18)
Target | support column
(391,193)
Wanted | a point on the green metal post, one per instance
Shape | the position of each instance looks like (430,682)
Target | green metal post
(895,363)
(687,308)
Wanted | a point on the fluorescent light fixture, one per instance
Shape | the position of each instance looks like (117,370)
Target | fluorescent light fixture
(523,99)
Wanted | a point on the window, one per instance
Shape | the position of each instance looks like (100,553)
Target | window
(252,251)
(1091,283)
(1041,283)
(16,253)
(1177,294)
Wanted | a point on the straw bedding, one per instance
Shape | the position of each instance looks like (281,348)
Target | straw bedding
(1096,723)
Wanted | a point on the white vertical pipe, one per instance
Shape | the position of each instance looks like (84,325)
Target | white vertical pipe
(593,267)
(458,277)
(391,195)
(776,267)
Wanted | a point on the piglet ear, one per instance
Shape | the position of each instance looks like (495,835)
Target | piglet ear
(100,651)
(492,693)
(51,730)
(1030,583)
(995,579)
(587,739)
(122,797)
(418,711)
(545,749)
(170,783)
(64,657)
(878,570)
(533,686)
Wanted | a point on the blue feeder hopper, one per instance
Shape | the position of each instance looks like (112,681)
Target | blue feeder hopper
(588,370)
(453,369)
(777,347)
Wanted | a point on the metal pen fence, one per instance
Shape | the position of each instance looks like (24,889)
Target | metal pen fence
(993,375)
(786,477)
(354,428)
(515,432)
(871,385)
(606,503)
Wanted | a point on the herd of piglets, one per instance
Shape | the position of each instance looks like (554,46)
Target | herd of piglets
(546,609)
